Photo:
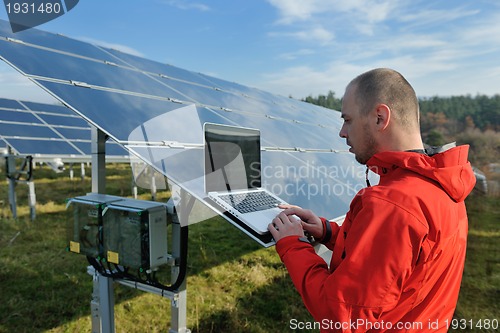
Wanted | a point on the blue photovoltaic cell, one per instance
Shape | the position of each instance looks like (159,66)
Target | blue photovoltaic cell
(26,130)
(18,116)
(158,68)
(63,120)
(60,132)
(158,111)
(112,149)
(10,104)
(89,72)
(48,108)
(38,147)
(119,115)
(74,134)
(59,42)
(232,86)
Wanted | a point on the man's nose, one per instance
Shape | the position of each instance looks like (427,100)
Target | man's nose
(343,133)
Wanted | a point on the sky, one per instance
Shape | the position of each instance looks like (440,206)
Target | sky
(295,48)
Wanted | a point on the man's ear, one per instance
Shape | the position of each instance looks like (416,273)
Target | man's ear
(383,114)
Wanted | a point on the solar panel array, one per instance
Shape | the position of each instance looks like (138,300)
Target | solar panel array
(157,112)
(48,131)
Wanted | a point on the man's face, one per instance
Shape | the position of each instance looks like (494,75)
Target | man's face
(356,129)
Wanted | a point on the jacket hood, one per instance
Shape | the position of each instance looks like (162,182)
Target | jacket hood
(450,168)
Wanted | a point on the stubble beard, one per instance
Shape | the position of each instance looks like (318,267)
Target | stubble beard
(369,147)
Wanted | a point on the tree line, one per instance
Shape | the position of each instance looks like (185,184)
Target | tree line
(473,120)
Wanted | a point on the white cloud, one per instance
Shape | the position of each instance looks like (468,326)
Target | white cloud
(431,16)
(427,43)
(425,72)
(439,73)
(362,14)
(186,5)
(294,10)
(413,41)
(302,81)
(314,35)
(296,54)
(486,30)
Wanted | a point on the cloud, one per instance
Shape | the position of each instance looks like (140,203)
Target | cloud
(485,30)
(186,5)
(314,35)
(361,14)
(302,81)
(426,71)
(441,72)
(291,11)
(433,16)
(296,54)
(428,43)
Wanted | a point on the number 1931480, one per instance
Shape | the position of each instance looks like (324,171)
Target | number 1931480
(469,324)
(32,8)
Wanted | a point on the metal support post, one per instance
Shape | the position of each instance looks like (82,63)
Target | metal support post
(102,304)
(12,198)
(98,151)
(102,298)
(10,164)
(153,187)
(82,171)
(21,174)
(32,199)
(179,303)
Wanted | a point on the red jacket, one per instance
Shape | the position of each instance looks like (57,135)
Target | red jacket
(398,257)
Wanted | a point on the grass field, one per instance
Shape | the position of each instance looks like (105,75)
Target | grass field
(233,284)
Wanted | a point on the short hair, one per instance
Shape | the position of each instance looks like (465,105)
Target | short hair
(387,86)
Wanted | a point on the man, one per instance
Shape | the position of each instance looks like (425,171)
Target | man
(398,257)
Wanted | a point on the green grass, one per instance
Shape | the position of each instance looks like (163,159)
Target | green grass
(233,285)
(480,291)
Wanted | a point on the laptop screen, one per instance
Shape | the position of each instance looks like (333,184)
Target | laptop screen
(232,158)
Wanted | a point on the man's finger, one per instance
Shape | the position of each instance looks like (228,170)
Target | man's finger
(287,206)
(273,230)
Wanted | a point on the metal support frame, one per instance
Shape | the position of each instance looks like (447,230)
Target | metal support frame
(22,175)
(72,171)
(10,164)
(179,303)
(152,186)
(82,171)
(102,303)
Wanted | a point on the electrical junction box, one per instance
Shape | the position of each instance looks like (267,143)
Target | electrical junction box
(85,224)
(135,234)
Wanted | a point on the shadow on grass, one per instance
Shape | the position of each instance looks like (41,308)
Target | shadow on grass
(275,307)
(44,287)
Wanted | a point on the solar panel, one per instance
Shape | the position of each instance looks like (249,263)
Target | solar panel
(50,131)
(157,112)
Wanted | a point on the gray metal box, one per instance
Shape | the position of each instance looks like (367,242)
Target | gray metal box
(135,234)
(84,225)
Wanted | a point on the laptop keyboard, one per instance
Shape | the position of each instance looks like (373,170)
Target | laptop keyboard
(251,201)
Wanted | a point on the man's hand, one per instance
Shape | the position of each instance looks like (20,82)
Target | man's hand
(284,225)
(310,221)
(289,218)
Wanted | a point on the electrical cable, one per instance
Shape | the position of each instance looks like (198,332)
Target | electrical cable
(151,279)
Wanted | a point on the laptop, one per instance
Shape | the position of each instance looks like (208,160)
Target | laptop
(233,176)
